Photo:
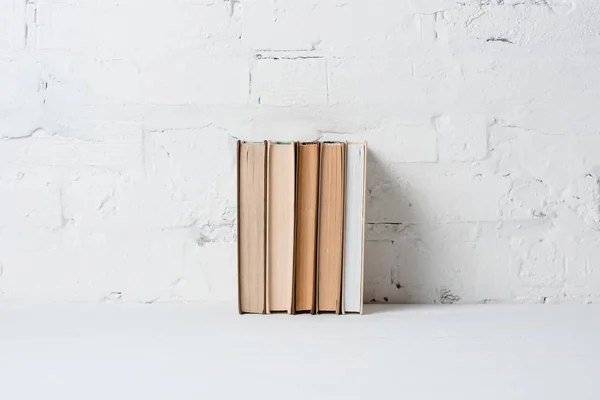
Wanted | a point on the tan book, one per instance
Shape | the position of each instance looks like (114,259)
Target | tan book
(251,226)
(331,227)
(281,211)
(307,196)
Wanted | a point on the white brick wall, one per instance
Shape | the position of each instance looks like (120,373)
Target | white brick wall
(118,121)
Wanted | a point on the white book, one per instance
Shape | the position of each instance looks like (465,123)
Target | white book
(354,223)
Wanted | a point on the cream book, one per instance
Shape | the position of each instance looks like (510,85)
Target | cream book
(251,171)
(354,227)
(281,211)
(330,234)
(307,196)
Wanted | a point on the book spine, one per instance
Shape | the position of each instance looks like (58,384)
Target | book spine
(295,230)
(331,235)
(238,146)
(251,163)
(362,240)
(344,211)
(281,220)
(268,231)
(354,228)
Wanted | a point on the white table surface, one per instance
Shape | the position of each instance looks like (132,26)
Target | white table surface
(171,352)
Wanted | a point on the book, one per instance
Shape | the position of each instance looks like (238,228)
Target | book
(251,161)
(354,227)
(281,211)
(331,227)
(307,196)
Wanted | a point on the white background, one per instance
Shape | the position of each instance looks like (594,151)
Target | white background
(118,123)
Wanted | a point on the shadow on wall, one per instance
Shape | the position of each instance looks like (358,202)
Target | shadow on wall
(398,267)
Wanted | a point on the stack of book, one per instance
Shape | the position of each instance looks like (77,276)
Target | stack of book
(301,210)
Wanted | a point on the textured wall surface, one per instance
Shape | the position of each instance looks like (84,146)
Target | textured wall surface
(118,121)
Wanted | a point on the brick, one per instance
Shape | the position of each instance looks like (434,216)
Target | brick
(29,199)
(558,180)
(537,262)
(95,80)
(405,144)
(91,266)
(179,159)
(462,137)
(418,263)
(581,256)
(140,80)
(89,143)
(354,33)
(425,192)
(523,23)
(21,80)
(431,6)
(286,82)
(558,161)
(370,81)
(200,81)
(523,89)
(124,202)
(110,27)
(12,25)
(438,83)
(284,26)
(398,139)
(426,26)
(173,181)
(209,273)
(90,200)
(305,25)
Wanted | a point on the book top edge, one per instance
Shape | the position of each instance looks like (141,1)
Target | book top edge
(281,144)
(278,143)
(252,143)
(308,143)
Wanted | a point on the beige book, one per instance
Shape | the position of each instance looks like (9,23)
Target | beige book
(354,227)
(251,226)
(307,195)
(281,209)
(331,227)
